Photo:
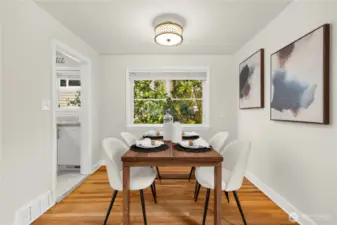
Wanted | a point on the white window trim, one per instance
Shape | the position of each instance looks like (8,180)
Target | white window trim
(129,96)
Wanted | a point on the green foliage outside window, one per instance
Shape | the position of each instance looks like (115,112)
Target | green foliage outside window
(76,101)
(151,101)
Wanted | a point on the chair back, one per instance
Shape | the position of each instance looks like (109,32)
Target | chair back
(218,141)
(129,138)
(235,156)
(113,152)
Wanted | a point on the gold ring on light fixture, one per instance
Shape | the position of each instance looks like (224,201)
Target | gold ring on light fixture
(168,34)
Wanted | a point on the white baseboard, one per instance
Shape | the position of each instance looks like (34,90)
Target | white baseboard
(28,213)
(97,166)
(283,203)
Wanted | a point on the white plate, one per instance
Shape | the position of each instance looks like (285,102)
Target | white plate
(151,134)
(186,145)
(156,144)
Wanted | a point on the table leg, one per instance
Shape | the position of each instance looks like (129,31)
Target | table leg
(126,195)
(217,194)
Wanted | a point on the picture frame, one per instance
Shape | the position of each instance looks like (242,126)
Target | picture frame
(251,81)
(300,79)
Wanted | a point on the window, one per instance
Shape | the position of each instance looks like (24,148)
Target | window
(69,93)
(149,92)
(63,83)
(74,83)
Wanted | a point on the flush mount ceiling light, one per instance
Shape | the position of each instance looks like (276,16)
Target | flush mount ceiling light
(168,34)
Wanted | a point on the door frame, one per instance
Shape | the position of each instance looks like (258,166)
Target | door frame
(1,89)
(86,137)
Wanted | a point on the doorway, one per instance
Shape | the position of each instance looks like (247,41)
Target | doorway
(71,124)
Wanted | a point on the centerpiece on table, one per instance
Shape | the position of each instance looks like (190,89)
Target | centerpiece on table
(168,122)
(172,127)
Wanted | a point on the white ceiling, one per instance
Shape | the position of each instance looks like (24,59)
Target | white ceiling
(126,26)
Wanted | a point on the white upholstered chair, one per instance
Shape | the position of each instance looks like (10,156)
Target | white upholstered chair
(236,156)
(217,142)
(140,177)
(130,140)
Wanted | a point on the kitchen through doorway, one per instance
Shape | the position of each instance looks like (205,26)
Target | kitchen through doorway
(71,147)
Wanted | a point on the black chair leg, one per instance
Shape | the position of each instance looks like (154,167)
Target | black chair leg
(195,189)
(206,206)
(190,176)
(158,173)
(239,206)
(227,196)
(143,205)
(110,207)
(197,193)
(153,189)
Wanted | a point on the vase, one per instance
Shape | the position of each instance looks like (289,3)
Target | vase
(177,132)
(168,122)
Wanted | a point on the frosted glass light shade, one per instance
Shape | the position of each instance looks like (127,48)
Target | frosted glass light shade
(168,34)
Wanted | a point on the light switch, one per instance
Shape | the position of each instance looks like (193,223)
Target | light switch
(45,105)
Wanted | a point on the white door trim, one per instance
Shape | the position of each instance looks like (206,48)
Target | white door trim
(85,112)
(1,89)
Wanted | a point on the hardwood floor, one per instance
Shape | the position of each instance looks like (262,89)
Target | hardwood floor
(87,205)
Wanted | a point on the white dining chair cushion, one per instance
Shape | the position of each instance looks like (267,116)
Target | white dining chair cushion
(234,165)
(140,177)
(218,141)
(205,177)
(129,138)
(236,155)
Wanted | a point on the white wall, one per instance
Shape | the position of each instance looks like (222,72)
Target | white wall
(28,32)
(296,160)
(113,93)
(0,101)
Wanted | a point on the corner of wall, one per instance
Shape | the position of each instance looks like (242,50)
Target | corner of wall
(97,165)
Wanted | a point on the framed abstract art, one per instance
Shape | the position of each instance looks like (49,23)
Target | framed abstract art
(251,81)
(299,82)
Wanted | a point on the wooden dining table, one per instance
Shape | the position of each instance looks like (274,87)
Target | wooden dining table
(172,157)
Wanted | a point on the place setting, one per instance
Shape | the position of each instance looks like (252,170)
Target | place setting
(154,134)
(147,145)
(190,135)
(197,145)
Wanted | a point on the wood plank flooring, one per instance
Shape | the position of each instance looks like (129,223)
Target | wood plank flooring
(87,205)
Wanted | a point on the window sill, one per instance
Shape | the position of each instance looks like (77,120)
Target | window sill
(193,126)
(68,109)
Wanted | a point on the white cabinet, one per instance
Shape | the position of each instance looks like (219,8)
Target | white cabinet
(69,145)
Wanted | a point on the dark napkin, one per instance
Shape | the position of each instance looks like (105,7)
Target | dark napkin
(156,149)
(153,137)
(184,149)
(194,137)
